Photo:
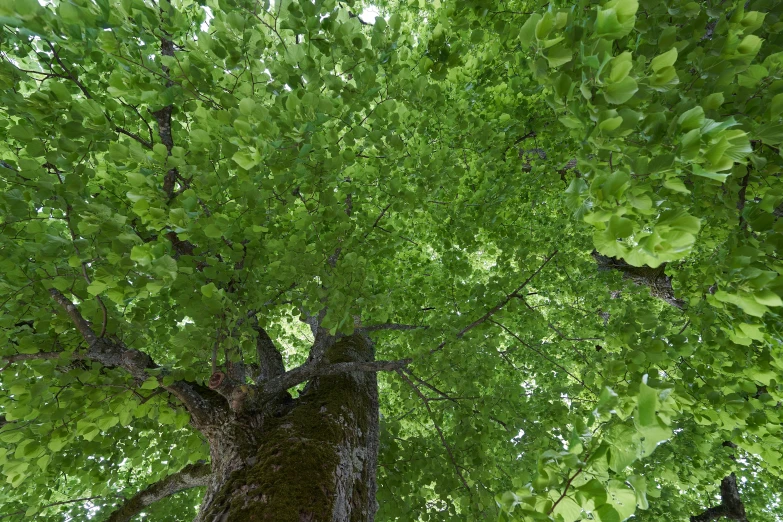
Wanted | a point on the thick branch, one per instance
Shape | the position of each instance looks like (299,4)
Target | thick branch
(310,370)
(40,355)
(731,505)
(191,476)
(655,279)
(113,354)
(163,118)
(270,360)
(81,324)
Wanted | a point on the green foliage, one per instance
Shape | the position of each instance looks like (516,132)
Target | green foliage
(413,169)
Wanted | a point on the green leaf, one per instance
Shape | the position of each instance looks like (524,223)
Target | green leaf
(96,287)
(666,59)
(200,136)
(150,384)
(770,133)
(768,298)
(607,513)
(245,159)
(750,45)
(24,8)
(209,289)
(591,494)
(213,231)
(558,55)
(691,119)
(544,26)
(646,404)
(621,92)
(568,509)
(246,106)
(639,484)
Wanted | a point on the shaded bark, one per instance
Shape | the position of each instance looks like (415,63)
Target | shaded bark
(313,458)
(655,279)
(270,360)
(731,506)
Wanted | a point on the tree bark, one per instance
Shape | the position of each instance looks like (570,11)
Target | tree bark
(655,279)
(310,459)
(731,506)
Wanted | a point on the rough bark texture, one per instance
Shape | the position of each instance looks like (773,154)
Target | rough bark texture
(312,459)
(731,506)
(655,279)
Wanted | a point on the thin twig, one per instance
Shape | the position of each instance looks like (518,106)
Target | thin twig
(86,499)
(393,326)
(495,309)
(437,428)
(565,490)
(515,336)
(378,219)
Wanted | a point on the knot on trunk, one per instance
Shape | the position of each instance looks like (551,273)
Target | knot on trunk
(234,392)
(221,383)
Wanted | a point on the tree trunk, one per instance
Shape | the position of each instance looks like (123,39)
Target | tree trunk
(310,459)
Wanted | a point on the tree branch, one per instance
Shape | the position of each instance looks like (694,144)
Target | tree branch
(191,476)
(443,440)
(113,354)
(515,336)
(378,219)
(270,360)
(163,118)
(495,309)
(392,326)
(72,501)
(145,143)
(655,279)
(731,505)
(314,368)
(40,355)
(741,200)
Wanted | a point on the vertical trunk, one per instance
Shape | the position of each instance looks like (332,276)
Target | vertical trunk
(312,459)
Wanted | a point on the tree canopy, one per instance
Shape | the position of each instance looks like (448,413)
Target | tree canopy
(559,223)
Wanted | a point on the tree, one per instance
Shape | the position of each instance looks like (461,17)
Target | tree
(460,261)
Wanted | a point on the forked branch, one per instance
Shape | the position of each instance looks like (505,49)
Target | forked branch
(731,505)
(114,354)
(315,368)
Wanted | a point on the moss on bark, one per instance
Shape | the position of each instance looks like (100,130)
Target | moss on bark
(316,462)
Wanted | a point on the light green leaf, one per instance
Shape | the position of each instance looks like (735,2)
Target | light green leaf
(646,404)
(245,159)
(666,59)
(622,91)
(150,384)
